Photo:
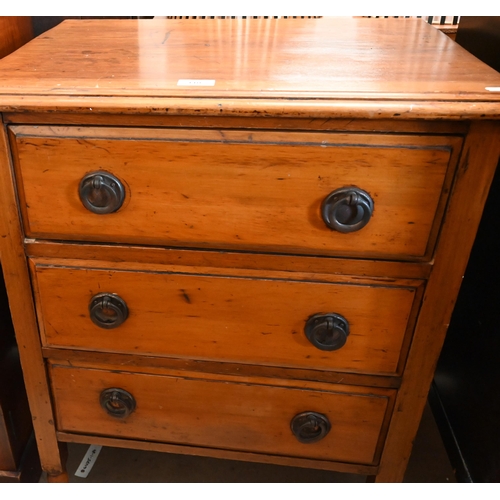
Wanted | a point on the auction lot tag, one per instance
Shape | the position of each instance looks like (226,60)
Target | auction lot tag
(88,461)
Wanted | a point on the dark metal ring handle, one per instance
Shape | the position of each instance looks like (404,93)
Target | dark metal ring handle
(310,427)
(117,402)
(327,332)
(101,192)
(347,209)
(108,310)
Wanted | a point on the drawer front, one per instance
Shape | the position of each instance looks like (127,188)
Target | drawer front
(257,321)
(220,414)
(253,191)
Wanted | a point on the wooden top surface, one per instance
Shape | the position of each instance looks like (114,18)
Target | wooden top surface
(301,60)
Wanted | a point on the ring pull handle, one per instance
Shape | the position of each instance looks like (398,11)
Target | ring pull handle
(347,209)
(310,427)
(117,403)
(327,332)
(101,192)
(108,310)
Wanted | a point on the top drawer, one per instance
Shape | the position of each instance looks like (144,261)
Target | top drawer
(259,191)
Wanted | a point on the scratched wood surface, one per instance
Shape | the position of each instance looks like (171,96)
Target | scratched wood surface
(199,451)
(259,321)
(163,258)
(190,411)
(407,59)
(278,374)
(477,167)
(330,122)
(227,189)
(104,80)
(17,282)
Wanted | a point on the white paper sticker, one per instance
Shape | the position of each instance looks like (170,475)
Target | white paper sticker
(493,89)
(196,83)
(88,461)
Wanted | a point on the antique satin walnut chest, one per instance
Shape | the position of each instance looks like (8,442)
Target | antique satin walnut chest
(240,238)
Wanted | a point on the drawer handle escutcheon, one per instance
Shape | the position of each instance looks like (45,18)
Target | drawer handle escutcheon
(117,402)
(101,192)
(310,427)
(327,332)
(108,310)
(347,209)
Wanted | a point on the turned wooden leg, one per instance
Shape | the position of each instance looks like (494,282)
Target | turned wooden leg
(56,476)
(59,478)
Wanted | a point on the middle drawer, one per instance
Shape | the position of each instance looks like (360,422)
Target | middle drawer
(266,321)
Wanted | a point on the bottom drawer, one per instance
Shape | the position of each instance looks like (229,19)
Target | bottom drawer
(304,420)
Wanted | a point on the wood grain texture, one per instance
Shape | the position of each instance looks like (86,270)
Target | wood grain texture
(244,417)
(146,258)
(115,364)
(331,123)
(15,31)
(349,109)
(256,321)
(368,101)
(19,460)
(477,166)
(154,364)
(258,191)
(58,478)
(242,272)
(250,59)
(223,454)
(17,282)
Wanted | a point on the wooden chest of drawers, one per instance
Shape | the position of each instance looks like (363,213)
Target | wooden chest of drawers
(240,239)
